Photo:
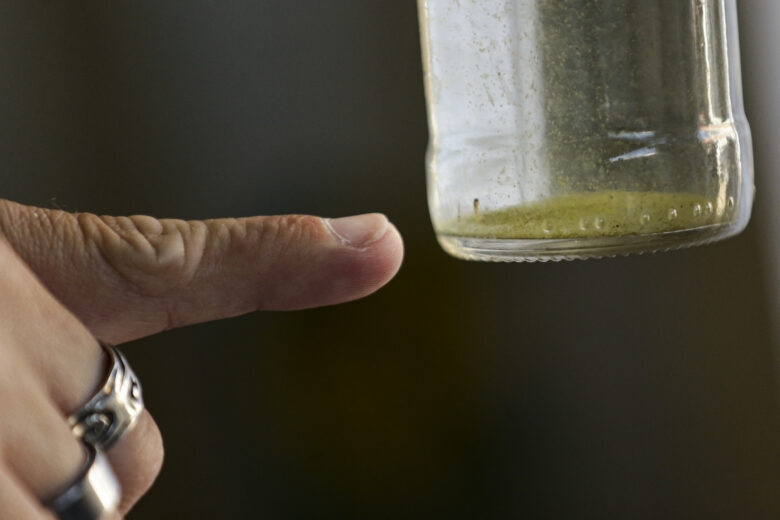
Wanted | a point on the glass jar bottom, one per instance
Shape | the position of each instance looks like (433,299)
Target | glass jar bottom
(556,250)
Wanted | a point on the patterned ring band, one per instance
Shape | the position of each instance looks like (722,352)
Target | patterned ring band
(114,410)
(93,494)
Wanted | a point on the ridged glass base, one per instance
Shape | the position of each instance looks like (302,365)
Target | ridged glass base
(555,250)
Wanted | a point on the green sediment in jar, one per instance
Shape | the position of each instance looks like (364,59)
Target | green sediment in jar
(590,215)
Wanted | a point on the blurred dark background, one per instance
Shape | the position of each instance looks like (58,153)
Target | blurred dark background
(642,387)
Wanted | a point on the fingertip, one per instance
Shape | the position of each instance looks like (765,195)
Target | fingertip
(373,267)
(342,272)
(359,231)
(389,251)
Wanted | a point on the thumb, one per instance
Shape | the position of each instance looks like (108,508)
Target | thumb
(128,277)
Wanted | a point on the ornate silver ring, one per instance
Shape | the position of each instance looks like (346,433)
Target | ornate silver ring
(94,493)
(114,410)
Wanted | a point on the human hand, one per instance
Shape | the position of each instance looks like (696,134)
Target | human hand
(68,280)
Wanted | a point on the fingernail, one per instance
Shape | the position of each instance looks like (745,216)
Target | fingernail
(360,230)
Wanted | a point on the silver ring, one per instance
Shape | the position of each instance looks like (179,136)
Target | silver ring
(94,493)
(114,410)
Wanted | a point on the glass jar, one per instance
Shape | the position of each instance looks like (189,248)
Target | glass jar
(565,129)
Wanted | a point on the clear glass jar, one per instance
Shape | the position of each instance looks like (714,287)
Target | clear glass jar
(566,129)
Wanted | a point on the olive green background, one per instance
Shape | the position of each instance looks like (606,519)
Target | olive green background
(640,387)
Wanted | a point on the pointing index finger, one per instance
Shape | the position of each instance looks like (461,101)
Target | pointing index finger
(128,277)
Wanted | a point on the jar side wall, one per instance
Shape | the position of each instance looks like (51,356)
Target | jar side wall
(532,102)
(747,196)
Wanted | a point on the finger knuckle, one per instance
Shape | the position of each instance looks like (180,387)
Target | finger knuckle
(153,469)
(154,256)
(147,461)
(152,454)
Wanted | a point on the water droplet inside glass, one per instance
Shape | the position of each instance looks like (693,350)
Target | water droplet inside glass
(644,219)
(672,215)
(708,209)
(697,210)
